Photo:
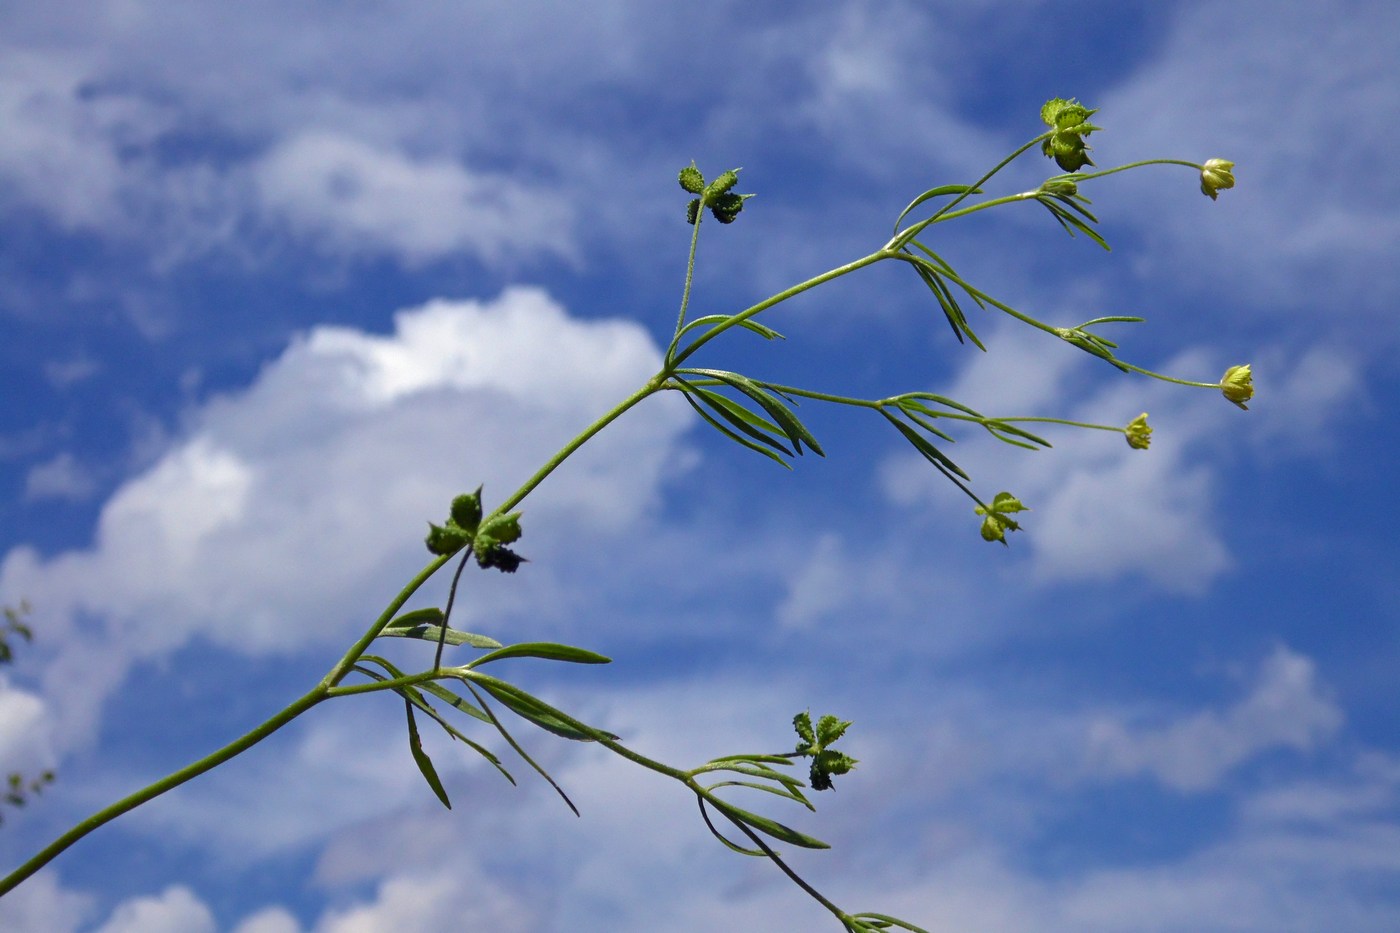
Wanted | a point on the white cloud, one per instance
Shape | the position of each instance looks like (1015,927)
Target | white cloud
(42,905)
(58,478)
(1311,225)
(23,744)
(449,898)
(290,507)
(175,910)
(358,198)
(269,920)
(1285,709)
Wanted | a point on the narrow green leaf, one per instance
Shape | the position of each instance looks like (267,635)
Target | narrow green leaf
(758,448)
(455,701)
(767,333)
(927,425)
(543,649)
(742,419)
(733,846)
(929,452)
(420,758)
(784,792)
(934,193)
(429,616)
(795,430)
(944,400)
(1115,319)
(770,759)
(768,827)
(741,416)
(433,633)
(520,751)
(767,774)
(533,709)
(889,921)
(1002,426)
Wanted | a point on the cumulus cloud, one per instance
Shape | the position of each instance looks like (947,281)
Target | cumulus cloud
(175,910)
(356,198)
(1323,249)
(43,905)
(1285,708)
(269,525)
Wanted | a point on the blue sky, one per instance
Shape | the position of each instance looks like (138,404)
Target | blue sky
(276,282)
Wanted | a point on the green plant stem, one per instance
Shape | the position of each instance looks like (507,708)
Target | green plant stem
(169,782)
(690,266)
(1123,168)
(735,319)
(902,237)
(652,386)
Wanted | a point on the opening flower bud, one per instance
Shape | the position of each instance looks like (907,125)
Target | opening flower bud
(1216,174)
(1138,433)
(1237,385)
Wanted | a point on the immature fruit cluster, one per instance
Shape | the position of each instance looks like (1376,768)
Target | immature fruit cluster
(723,204)
(998,521)
(1069,121)
(488,539)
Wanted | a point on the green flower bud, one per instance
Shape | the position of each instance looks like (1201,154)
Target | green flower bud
(692,211)
(691,179)
(1216,174)
(1059,187)
(1237,385)
(1138,432)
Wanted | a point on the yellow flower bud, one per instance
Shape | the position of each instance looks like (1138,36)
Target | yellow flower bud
(1237,385)
(1138,432)
(1215,175)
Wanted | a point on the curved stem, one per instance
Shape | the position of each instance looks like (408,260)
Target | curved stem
(652,385)
(900,238)
(1123,168)
(735,319)
(169,782)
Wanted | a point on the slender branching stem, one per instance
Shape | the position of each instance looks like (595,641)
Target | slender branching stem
(154,790)
(735,320)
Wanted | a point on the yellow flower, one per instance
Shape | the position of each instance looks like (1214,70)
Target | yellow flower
(1138,432)
(1215,175)
(1237,385)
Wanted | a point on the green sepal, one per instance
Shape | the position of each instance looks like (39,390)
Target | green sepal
(691,179)
(499,529)
(830,729)
(802,722)
(692,211)
(446,539)
(720,185)
(466,511)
